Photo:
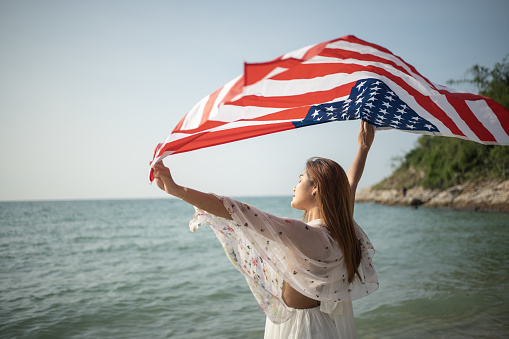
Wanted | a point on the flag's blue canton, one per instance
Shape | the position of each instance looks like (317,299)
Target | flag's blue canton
(373,101)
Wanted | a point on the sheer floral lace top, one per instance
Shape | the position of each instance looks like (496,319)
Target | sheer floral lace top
(288,263)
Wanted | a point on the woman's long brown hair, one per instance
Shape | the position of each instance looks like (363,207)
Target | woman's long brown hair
(334,201)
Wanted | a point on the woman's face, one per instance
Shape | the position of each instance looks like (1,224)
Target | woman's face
(303,198)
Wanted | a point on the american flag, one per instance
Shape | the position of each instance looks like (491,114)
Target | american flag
(343,79)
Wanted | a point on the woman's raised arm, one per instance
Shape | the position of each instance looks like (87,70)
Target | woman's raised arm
(365,139)
(205,201)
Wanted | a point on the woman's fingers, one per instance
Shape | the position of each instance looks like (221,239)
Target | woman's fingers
(157,169)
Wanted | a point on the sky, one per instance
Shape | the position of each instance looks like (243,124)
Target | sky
(88,88)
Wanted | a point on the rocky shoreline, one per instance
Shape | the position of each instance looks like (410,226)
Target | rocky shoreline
(478,196)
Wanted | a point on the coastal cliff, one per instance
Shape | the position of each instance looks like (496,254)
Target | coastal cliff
(490,195)
(446,172)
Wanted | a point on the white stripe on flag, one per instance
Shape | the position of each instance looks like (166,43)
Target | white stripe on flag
(224,91)
(227,113)
(297,54)
(353,47)
(484,113)
(193,117)
(232,125)
(287,88)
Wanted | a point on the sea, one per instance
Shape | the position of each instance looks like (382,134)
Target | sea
(132,269)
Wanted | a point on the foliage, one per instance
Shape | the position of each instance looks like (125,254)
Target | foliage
(493,83)
(451,161)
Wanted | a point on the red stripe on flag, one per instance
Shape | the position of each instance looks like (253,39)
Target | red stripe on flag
(469,118)
(235,90)
(306,99)
(211,102)
(203,127)
(255,72)
(179,125)
(291,114)
(355,40)
(213,138)
(315,50)
(311,71)
(501,113)
(156,151)
(463,96)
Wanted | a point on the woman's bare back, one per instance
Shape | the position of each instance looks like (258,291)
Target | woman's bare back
(294,299)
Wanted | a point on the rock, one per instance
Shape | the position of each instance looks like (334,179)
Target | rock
(490,195)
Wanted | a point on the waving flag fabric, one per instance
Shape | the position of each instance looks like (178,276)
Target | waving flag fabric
(337,80)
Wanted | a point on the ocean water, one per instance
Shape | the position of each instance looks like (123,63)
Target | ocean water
(132,269)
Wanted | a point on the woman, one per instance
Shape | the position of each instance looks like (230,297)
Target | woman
(304,274)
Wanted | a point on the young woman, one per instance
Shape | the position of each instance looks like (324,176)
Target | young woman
(304,274)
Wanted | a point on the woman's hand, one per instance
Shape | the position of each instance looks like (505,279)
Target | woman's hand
(205,201)
(366,135)
(164,180)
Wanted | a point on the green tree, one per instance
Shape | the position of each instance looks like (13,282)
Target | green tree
(493,83)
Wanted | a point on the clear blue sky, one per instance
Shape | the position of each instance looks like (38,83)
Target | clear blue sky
(88,88)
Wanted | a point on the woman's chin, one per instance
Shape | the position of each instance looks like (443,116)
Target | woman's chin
(296,206)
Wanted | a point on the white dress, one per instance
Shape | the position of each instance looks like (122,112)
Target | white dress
(269,250)
(312,323)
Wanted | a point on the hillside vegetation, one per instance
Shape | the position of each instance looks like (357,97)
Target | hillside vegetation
(440,162)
